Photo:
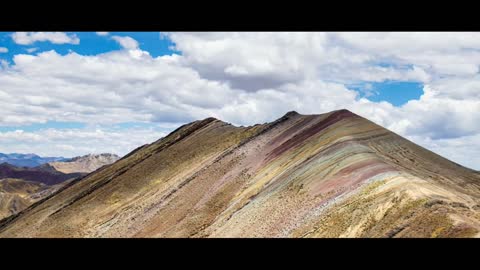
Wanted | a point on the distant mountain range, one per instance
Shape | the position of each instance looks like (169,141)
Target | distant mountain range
(86,164)
(28,160)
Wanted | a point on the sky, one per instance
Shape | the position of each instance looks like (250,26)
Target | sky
(73,93)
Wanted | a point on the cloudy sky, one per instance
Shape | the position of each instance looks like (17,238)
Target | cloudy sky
(68,94)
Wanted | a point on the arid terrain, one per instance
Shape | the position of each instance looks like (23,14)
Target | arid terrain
(329,175)
(18,194)
(22,186)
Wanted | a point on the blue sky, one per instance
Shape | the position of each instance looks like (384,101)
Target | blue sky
(395,92)
(90,44)
(73,93)
(157,44)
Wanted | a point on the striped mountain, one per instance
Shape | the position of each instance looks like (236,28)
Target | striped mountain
(330,175)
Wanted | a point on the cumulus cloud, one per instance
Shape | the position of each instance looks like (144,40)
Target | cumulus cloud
(3,50)
(126,42)
(254,60)
(27,38)
(332,56)
(247,78)
(119,86)
(74,142)
(102,33)
(461,150)
(447,64)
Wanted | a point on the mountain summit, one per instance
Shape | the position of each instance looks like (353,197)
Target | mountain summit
(330,175)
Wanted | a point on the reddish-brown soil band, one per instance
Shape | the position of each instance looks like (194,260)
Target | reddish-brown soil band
(300,138)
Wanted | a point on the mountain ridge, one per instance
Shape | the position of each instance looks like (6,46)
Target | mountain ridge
(330,175)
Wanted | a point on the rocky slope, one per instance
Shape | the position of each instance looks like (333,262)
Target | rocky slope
(84,164)
(330,175)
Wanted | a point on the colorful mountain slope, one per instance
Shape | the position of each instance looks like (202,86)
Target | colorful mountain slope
(328,175)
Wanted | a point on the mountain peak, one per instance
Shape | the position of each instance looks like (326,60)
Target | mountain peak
(344,111)
(291,114)
(210,119)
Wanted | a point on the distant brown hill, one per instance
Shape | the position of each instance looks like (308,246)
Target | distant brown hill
(22,186)
(18,194)
(43,174)
(330,175)
(84,164)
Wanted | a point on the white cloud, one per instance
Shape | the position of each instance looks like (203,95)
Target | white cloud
(462,150)
(248,78)
(332,56)
(75,142)
(31,50)
(102,33)
(126,42)
(27,38)
(118,86)
(3,64)
(3,50)
(445,62)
